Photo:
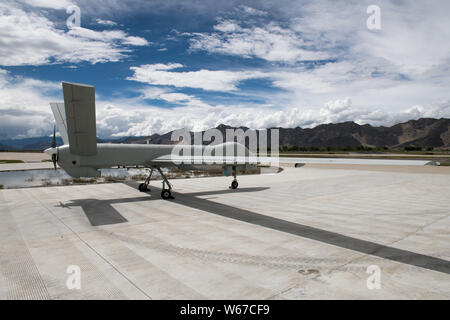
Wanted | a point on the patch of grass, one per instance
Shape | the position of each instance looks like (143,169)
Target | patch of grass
(66,182)
(47,183)
(46,160)
(11,161)
(1,186)
(138,177)
(83,180)
(109,179)
(444,163)
(114,179)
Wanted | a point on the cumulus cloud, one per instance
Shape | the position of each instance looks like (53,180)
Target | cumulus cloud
(50,4)
(304,100)
(108,23)
(162,74)
(252,11)
(25,112)
(270,42)
(28,38)
(381,78)
(303,86)
(174,98)
(414,35)
(24,107)
(404,63)
(159,120)
(413,38)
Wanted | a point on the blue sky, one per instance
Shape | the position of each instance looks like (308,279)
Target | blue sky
(164,65)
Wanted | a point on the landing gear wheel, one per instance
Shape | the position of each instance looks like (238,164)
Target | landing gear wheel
(143,187)
(166,194)
(234,185)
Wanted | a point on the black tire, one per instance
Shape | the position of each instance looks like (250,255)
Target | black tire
(166,194)
(234,185)
(143,187)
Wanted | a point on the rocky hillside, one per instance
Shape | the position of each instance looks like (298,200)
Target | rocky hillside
(423,133)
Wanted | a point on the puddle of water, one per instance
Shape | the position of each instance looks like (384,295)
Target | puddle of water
(37,178)
(50,177)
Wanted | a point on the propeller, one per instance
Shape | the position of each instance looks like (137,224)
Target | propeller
(54,155)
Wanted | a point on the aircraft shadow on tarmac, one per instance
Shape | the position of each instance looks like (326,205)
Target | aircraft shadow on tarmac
(101,212)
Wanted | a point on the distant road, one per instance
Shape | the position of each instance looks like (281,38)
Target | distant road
(390,162)
(24,156)
(364,155)
(25,166)
(32,161)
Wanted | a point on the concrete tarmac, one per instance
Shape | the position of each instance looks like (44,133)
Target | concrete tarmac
(305,233)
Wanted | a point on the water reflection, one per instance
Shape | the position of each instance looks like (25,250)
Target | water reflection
(49,177)
(36,178)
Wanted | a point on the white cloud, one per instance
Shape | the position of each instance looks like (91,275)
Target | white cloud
(405,63)
(252,11)
(135,41)
(396,74)
(28,38)
(168,95)
(368,83)
(159,120)
(24,107)
(50,4)
(184,99)
(108,23)
(270,42)
(25,112)
(413,38)
(226,26)
(152,92)
(220,80)
(354,93)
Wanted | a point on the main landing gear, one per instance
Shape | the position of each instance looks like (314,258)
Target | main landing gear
(143,187)
(234,184)
(167,187)
(166,192)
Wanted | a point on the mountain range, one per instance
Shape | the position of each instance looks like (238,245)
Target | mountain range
(421,133)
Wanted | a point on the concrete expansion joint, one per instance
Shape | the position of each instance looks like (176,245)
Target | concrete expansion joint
(91,248)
